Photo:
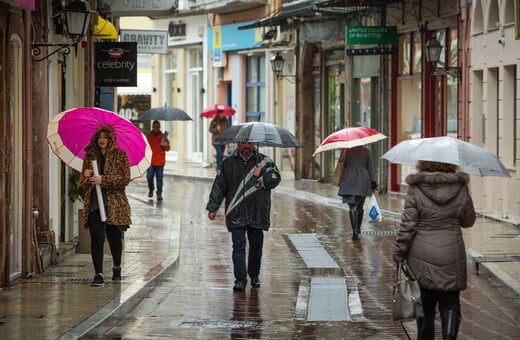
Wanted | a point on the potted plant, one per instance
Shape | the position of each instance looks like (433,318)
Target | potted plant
(75,192)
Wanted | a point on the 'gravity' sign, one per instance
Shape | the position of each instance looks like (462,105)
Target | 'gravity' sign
(115,64)
(371,35)
(148,41)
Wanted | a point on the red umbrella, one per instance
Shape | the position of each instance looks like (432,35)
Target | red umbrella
(349,138)
(211,111)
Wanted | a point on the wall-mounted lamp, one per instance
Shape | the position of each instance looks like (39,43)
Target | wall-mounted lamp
(77,20)
(277,63)
(433,55)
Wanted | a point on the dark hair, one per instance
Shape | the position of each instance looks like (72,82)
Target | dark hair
(430,166)
(109,131)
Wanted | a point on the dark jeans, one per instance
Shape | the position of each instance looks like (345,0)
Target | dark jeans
(430,299)
(256,242)
(156,171)
(114,236)
(219,154)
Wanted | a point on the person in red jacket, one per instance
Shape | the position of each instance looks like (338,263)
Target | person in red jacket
(159,143)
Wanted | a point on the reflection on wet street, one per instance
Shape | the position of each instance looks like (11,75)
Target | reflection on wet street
(195,300)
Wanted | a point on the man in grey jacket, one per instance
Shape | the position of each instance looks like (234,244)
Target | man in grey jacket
(245,182)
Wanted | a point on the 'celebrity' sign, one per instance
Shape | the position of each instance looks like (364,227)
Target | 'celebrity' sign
(148,41)
(115,64)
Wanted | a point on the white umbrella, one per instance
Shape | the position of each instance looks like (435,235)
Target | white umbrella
(470,158)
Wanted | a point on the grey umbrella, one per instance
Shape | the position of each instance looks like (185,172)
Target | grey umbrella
(470,158)
(164,113)
(264,134)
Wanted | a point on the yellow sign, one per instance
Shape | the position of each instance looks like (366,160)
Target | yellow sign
(217,37)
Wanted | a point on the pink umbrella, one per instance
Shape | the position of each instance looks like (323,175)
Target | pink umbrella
(211,111)
(69,132)
(349,138)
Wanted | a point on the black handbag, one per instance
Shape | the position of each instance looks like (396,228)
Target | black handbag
(406,299)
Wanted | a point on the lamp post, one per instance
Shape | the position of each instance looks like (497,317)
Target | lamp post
(77,15)
(277,62)
(433,54)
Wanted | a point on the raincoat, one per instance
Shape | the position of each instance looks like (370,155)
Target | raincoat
(437,205)
(247,198)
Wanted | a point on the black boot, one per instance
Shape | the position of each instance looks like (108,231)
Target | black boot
(426,328)
(360,220)
(354,223)
(450,320)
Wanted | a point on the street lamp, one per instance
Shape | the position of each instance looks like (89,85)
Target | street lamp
(77,16)
(277,62)
(433,55)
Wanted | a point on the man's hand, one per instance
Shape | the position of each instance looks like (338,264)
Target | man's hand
(211,215)
(257,171)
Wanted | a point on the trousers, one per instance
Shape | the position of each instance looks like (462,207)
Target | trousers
(157,172)
(255,237)
(114,235)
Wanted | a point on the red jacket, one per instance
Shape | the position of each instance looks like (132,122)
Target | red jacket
(158,151)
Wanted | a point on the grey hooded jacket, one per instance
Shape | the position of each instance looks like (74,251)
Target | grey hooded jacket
(437,205)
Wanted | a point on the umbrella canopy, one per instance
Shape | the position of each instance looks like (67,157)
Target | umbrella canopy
(211,111)
(164,113)
(349,138)
(470,158)
(264,134)
(69,132)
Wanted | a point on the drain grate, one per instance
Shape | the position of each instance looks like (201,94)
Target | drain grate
(78,281)
(379,232)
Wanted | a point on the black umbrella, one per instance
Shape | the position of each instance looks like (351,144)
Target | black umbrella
(165,113)
(264,134)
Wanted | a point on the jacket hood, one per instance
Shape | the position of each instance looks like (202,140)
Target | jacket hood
(440,187)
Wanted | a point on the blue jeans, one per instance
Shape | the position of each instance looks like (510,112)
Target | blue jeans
(219,154)
(256,243)
(156,171)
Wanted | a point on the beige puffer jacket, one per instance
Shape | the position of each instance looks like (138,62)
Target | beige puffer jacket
(437,205)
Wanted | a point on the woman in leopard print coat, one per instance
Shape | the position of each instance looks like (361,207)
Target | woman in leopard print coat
(114,176)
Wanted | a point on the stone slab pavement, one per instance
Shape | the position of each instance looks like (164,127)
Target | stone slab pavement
(31,308)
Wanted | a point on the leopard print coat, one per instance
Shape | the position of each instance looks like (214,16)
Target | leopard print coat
(115,179)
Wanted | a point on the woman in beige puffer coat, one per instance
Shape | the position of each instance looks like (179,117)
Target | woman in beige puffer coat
(437,205)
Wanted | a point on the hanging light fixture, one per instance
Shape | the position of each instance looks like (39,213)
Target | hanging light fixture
(433,55)
(78,18)
(277,62)
(77,21)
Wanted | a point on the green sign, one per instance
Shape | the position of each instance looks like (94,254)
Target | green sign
(371,35)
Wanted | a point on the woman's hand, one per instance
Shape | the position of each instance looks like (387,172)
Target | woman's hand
(96,179)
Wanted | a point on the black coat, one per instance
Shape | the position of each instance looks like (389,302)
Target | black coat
(247,198)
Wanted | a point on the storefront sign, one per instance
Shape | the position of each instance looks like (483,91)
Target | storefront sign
(148,41)
(120,8)
(115,64)
(371,35)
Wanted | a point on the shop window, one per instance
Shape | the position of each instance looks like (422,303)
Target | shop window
(410,53)
(255,89)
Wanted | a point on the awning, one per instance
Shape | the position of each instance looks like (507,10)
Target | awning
(144,86)
(316,9)
(104,29)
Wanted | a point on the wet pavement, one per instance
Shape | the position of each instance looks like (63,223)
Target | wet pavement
(177,277)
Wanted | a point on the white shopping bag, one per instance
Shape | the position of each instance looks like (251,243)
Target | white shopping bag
(374,213)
